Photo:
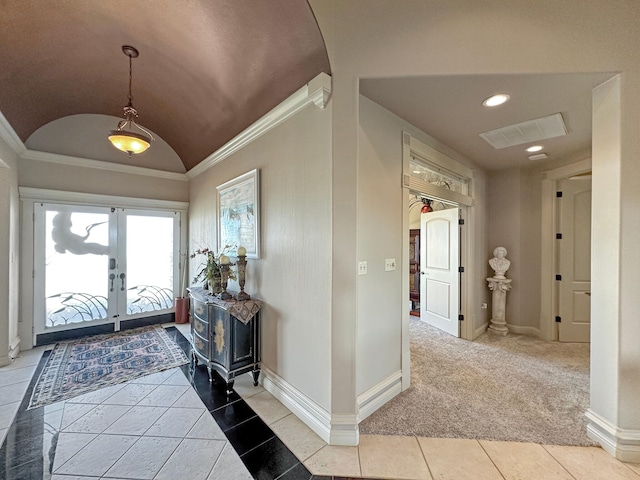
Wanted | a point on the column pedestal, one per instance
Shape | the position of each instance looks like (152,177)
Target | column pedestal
(499,287)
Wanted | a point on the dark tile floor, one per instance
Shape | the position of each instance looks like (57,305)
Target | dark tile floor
(262,452)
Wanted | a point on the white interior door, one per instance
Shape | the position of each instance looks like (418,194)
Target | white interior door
(439,262)
(575,260)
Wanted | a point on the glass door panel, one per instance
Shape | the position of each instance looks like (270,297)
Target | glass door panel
(76,257)
(150,247)
(97,265)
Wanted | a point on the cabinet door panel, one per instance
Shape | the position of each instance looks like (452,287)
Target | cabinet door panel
(242,342)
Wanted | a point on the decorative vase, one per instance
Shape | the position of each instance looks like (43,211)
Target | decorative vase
(215,284)
(182,310)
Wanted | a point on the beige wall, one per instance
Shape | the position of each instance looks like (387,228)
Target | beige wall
(71,178)
(500,37)
(293,275)
(381,204)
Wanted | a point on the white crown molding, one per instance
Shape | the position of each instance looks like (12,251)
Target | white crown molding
(100,165)
(378,395)
(316,92)
(77,198)
(333,429)
(9,135)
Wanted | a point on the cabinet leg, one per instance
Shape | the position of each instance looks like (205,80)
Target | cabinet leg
(256,374)
(210,374)
(194,359)
(230,386)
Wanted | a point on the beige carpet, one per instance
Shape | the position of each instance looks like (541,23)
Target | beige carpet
(513,388)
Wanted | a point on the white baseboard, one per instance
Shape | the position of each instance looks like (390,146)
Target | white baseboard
(333,429)
(622,444)
(524,330)
(378,395)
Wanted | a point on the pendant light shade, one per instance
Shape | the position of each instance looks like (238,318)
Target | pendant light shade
(123,137)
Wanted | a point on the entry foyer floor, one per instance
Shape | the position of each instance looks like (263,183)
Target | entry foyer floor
(168,425)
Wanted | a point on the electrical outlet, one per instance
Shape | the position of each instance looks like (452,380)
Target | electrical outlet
(389,264)
(362,268)
(483,306)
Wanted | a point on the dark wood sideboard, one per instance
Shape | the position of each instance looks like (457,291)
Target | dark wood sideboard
(225,335)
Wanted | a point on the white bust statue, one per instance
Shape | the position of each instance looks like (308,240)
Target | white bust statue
(499,262)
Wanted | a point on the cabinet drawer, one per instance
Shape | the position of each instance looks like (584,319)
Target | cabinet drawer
(200,326)
(199,310)
(201,345)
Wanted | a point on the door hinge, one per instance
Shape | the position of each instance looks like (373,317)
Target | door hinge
(558,194)
(461,221)
(559,278)
(461,317)
(558,236)
(460,269)
(558,319)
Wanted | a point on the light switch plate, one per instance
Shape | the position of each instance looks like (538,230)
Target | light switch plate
(362,268)
(389,264)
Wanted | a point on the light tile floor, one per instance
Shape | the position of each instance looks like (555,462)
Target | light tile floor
(153,427)
(415,458)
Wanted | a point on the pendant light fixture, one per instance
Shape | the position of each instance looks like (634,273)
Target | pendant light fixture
(124,138)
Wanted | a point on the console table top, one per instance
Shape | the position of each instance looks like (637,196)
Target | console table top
(243,310)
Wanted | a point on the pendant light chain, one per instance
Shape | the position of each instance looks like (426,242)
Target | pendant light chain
(130,82)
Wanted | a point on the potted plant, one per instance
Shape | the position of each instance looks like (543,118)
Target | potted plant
(210,274)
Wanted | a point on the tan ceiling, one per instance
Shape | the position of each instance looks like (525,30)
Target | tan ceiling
(449,108)
(207,68)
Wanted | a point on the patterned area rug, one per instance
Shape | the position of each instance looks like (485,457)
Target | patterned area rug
(87,364)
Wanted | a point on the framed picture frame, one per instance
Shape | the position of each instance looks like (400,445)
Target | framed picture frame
(239,213)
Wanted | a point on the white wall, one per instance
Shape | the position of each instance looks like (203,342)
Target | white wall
(9,254)
(293,275)
(389,39)
(381,203)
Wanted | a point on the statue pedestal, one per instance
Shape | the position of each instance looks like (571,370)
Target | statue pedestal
(499,287)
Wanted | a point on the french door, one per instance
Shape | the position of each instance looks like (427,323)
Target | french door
(96,265)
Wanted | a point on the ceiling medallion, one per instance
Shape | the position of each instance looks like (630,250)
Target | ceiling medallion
(124,138)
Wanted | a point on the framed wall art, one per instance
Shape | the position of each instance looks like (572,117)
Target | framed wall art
(239,213)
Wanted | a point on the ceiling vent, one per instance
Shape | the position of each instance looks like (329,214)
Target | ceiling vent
(531,131)
(538,156)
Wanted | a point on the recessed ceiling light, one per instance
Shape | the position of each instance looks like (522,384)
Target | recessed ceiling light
(496,100)
(534,148)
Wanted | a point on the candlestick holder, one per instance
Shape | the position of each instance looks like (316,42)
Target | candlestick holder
(224,273)
(242,272)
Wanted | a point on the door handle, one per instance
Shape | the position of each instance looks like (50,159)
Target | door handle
(588,293)
(112,277)
(122,275)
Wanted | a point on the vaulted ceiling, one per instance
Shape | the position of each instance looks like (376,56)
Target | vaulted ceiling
(207,68)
